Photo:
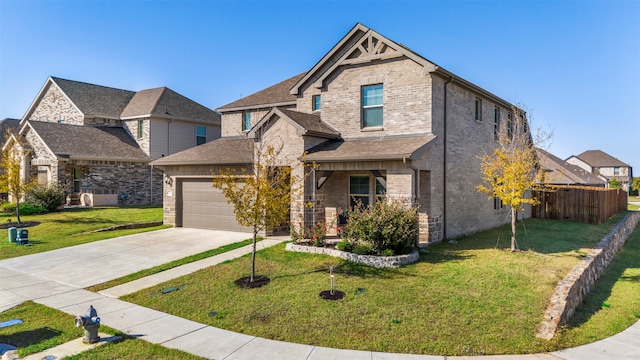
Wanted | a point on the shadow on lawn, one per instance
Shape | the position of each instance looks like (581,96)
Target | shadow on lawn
(538,235)
(29,337)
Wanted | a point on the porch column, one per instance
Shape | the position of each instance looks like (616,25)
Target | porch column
(401,185)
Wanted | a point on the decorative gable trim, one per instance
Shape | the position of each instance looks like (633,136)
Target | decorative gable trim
(370,46)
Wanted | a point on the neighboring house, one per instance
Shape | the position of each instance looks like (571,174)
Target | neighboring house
(98,141)
(377,119)
(604,166)
(560,172)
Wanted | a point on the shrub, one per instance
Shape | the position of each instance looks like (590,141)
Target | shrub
(318,234)
(362,249)
(48,197)
(386,225)
(30,209)
(25,208)
(343,246)
(387,252)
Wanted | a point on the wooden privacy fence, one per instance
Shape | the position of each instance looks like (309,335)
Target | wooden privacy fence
(586,204)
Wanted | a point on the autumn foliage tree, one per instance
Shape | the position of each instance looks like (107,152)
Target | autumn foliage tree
(511,170)
(12,181)
(262,195)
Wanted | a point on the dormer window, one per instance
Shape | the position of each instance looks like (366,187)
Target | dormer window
(140,129)
(315,102)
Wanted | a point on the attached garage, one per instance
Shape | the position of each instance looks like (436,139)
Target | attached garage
(204,207)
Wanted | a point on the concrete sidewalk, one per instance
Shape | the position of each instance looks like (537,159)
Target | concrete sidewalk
(22,279)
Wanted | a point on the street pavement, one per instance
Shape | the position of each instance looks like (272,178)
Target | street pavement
(57,278)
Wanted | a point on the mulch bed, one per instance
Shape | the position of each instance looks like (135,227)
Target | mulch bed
(23,224)
(258,281)
(327,295)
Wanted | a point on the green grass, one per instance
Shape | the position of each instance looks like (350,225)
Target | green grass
(170,265)
(473,297)
(614,304)
(67,228)
(44,328)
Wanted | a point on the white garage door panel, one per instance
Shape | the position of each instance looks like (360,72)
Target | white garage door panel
(204,207)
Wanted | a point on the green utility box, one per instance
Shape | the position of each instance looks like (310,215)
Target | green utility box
(13,234)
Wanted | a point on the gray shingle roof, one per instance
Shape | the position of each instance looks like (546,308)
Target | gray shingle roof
(559,172)
(88,142)
(369,149)
(95,99)
(312,123)
(223,151)
(598,158)
(166,102)
(11,124)
(275,95)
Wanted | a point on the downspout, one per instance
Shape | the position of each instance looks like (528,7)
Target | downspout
(444,165)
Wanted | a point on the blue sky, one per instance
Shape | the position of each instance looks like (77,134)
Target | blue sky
(574,64)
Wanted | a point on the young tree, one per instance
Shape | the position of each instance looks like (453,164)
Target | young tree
(261,198)
(511,170)
(635,185)
(615,184)
(12,181)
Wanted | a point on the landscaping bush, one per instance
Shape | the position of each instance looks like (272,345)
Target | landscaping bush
(344,245)
(361,249)
(48,197)
(25,208)
(387,225)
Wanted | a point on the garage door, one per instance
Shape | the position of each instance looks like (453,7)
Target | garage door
(204,207)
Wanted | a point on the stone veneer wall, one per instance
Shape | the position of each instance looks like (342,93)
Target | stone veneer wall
(370,260)
(572,289)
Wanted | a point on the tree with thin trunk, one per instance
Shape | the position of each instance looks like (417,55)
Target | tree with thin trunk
(12,180)
(511,170)
(262,195)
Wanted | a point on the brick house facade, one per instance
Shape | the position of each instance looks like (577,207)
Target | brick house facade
(97,142)
(377,119)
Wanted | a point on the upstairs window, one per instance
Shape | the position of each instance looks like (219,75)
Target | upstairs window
(510,126)
(478,113)
(496,123)
(372,105)
(616,171)
(315,102)
(246,121)
(201,134)
(140,129)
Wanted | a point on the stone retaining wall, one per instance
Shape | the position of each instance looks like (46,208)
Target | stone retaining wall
(370,260)
(572,289)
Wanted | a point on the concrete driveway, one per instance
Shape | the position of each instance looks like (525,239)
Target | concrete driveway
(93,263)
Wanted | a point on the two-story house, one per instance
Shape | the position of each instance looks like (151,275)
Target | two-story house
(98,141)
(560,172)
(377,119)
(604,166)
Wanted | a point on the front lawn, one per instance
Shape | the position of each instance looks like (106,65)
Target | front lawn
(68,228)
(43,328)
(472,297)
